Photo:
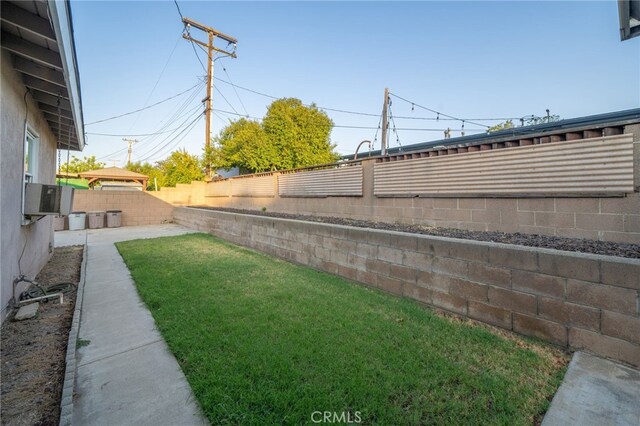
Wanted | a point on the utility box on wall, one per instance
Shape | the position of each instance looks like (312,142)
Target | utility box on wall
(40,199)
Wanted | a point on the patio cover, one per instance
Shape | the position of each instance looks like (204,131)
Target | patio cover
(114,174)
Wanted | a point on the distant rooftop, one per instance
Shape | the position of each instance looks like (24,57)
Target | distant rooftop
(611,119)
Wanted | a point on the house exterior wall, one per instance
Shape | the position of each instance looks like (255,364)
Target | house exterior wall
(37,238)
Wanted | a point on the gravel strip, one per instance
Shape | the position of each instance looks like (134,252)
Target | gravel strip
(606,248)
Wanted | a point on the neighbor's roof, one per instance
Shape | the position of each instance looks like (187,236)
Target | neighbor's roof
(618,118)
(120,183)
(39,36)
(116,173)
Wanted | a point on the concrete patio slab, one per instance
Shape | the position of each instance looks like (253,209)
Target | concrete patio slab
(125,373)
(596,392)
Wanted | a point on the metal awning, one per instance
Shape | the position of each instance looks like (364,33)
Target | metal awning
(39,36)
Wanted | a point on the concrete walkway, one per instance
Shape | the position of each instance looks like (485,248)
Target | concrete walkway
(596,392)
(126,374)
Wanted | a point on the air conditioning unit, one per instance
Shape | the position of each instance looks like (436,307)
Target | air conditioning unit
(40,199)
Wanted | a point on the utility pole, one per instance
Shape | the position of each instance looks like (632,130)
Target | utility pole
(130,142)
(210,49)
(385,122)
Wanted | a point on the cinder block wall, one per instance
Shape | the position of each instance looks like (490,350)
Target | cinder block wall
(598,218)
(138,208)
(606,219)
(570,299)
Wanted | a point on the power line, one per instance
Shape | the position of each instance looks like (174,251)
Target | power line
(226,100)
(128,134)
(395,130)
(178,7)
(184,133)
(157,81)
(193,45)
(167,140)
(369,114)
(180,128)
(146,141)
(247,89)
(142,109)
(438,112)
(360,127)
(235,90)
(223,119)
(170,119)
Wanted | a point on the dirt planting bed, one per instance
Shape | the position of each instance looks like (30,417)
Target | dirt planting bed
(33,350)
(558,243)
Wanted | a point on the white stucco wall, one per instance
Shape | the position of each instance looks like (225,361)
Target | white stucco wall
(37,238)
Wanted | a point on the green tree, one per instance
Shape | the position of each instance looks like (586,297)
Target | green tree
(180,167)
(77,165)
(529,121)
(541,120)
(501,126)
(291,135)
(154,173)
(243,144)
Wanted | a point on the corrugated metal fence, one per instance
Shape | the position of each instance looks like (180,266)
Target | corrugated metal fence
(345,181)
(600,165)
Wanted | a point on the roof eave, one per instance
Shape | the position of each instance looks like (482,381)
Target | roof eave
(60,16)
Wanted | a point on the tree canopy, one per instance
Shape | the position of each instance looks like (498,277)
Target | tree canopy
(154,173)
(529,121)
(501,126)
(84,164)
(180,167)
(291,135)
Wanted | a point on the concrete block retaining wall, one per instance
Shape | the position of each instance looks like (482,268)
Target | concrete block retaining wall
(138,208)
(573,300)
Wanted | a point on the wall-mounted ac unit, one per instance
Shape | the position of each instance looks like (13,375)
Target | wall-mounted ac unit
(40,200)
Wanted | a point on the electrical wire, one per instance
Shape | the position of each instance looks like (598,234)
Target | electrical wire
(176,115)
(341,126)
(235,90)
(186,29)
(170,119)
(369,114)
(375,136)
(157,81)
(142,109)
(179,129)
(223,119)
(183,134)
(438,112)
(178,7)
(129,134)
(226,100)
(395,130)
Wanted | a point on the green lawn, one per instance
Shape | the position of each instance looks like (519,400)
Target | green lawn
(263,341)
(74,182)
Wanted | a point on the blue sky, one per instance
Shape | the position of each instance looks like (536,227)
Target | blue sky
(465,59)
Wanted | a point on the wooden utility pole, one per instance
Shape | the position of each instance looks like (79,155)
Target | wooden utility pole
(385,122)
(210,49)
(130,142)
